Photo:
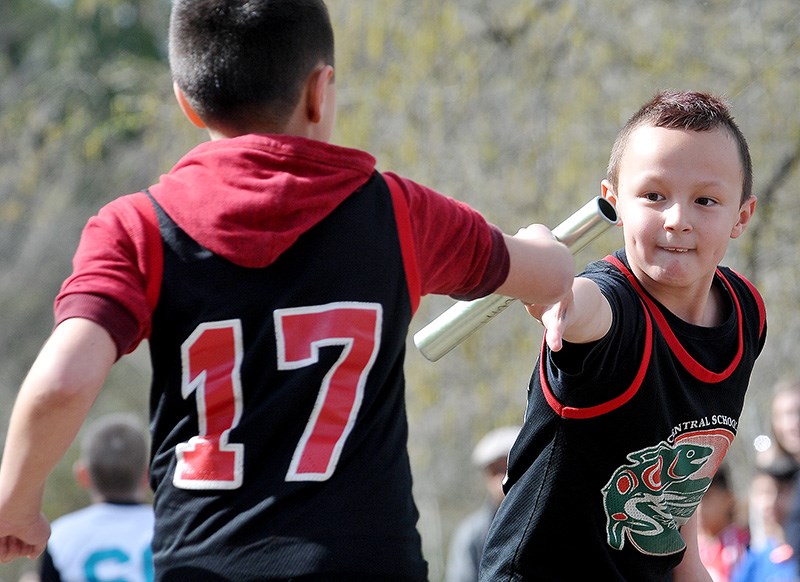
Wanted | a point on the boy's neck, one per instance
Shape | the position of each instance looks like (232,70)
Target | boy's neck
(704,309)
(219,134)
(133,499)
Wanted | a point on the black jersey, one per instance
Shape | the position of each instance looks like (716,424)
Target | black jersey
(622,437)
(278,415)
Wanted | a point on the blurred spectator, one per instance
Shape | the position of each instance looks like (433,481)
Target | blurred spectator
(722,539)
(771,493)
(785,423)
(110,539)
(491,457)
(785,444)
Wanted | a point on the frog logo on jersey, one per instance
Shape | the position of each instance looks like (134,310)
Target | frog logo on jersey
(648,500)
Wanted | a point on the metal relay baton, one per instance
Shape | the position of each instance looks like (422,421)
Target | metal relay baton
(465,317)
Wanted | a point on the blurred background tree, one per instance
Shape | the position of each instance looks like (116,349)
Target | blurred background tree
(509,106)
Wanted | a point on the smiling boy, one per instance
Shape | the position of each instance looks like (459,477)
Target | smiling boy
(635,399)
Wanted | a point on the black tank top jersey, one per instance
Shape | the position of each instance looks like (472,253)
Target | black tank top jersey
(278,416)
(622,436)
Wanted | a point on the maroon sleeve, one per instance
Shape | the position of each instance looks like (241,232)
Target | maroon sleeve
(119,323)
(458,252)
(111,270)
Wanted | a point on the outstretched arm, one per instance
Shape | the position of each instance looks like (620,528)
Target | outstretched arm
(51,406)
(541,268)
(582,317)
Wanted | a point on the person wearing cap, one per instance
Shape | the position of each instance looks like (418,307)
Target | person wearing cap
(490,455)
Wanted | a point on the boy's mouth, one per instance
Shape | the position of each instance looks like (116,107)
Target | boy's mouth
(675,250)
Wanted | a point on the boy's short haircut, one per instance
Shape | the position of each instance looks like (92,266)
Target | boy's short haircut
(691,110)
(245,61)
(115,451)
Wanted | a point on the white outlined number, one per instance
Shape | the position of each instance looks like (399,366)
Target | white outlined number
(212,357)
(300,332)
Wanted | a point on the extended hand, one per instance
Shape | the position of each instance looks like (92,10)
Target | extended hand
(554,319)
(23,541)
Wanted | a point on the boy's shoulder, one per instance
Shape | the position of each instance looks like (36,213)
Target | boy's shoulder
(733,275)
(607,265)
(98,514)
(751,300)
(74,522)
(611,273)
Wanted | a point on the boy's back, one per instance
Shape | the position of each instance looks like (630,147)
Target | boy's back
(301,349)
(101,541)
(275,276)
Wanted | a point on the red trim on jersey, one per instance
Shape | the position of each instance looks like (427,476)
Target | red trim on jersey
(762,310)
(692,366)
(154,246)
(614,403)
(401,215)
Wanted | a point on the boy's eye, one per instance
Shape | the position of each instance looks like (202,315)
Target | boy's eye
(652,196)
(704,201)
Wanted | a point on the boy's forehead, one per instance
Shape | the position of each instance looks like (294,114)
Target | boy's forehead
(676,147)
(646,133)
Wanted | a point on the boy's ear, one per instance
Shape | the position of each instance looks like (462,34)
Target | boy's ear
(317,92)
(186,107)
(607,191)
(81,473)
(746,211)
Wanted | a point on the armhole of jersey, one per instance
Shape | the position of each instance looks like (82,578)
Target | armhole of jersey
(405,234)
(610,405)
(762,310)
(155,252)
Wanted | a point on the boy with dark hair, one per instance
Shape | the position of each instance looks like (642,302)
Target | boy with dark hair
(636,396)
(110,539)
(274,275)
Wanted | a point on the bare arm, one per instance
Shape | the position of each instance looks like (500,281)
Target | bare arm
(541,269)
(691,569)
(51,406)
(584,316)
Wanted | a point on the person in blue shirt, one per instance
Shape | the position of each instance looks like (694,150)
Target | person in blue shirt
(774,560)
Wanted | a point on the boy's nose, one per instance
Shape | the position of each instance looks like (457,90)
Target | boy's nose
(676,218)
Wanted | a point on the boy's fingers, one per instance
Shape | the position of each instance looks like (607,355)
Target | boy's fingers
(11,548)
(554,335)
(28,541)
(554,320)
(534,311)
(33,552)
(8,546)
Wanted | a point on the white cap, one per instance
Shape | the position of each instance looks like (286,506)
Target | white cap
(494,445)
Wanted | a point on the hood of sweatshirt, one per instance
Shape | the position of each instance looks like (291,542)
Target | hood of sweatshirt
(249,198)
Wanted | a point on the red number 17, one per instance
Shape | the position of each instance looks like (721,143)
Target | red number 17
(212,357)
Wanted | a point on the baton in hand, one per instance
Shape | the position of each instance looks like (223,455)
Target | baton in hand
(465,317)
